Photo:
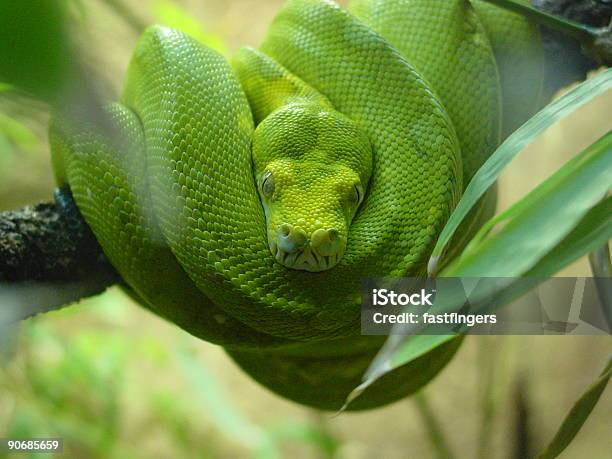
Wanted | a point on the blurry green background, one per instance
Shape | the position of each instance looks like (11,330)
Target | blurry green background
(116,381)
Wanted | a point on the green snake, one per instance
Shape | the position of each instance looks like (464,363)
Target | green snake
(246,201)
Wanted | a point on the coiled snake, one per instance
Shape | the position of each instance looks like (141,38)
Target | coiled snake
(246,202)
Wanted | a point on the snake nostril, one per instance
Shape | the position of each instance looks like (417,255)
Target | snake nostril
(318,238)
(285,229)
(291,239)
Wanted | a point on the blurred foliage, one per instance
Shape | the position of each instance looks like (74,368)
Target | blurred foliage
(15,136)
(34,48)
(170,14)
(83,388)
(578,415)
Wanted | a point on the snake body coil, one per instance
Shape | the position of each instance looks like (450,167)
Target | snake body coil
(245,203)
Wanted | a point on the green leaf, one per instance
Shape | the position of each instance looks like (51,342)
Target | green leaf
(577,416)
(307,434)
(514,144)
(34,49)
(18,133)
(226,417)
(561,220)
(601,267)
(126,13)
(433,427)
(593,230)
(533,226)
(174,16)
(398,350)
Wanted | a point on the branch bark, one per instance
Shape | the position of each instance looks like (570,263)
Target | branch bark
(49,257)
(568,60)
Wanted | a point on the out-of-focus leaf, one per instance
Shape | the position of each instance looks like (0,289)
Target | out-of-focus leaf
(126,13)
(172,15)
(577,416)
(263,442)
(18,134)
(539,221)
(79,8)
(601,267)
(6,155)
(326,445)
(34,48)
(37,57)
(493,167)
(226,417)
(398,350)
(601,262)
(433,427)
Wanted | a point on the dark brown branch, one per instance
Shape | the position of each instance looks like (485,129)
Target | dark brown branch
(568,60)
(48,258)
(48,242)
(594,13)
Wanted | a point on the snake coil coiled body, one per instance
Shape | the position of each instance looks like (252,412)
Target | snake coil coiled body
(395,104)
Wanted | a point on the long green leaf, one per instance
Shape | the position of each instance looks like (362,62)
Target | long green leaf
(601,267)
(398,350)
(577,416)
(561,220)
(594,230)
(514,144)
(538,222)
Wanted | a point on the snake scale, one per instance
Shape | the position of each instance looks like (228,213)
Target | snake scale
(245,201)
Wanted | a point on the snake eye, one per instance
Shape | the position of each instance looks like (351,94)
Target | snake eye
(267,185)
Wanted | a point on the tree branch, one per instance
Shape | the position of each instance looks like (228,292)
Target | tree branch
(568,60)
(48,258)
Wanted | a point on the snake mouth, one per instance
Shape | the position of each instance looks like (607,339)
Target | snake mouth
(306,259)
(294,248)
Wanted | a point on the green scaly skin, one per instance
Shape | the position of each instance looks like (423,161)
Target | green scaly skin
(245,203)
(303,149)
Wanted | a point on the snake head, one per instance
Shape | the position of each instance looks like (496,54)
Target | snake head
(312,166)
